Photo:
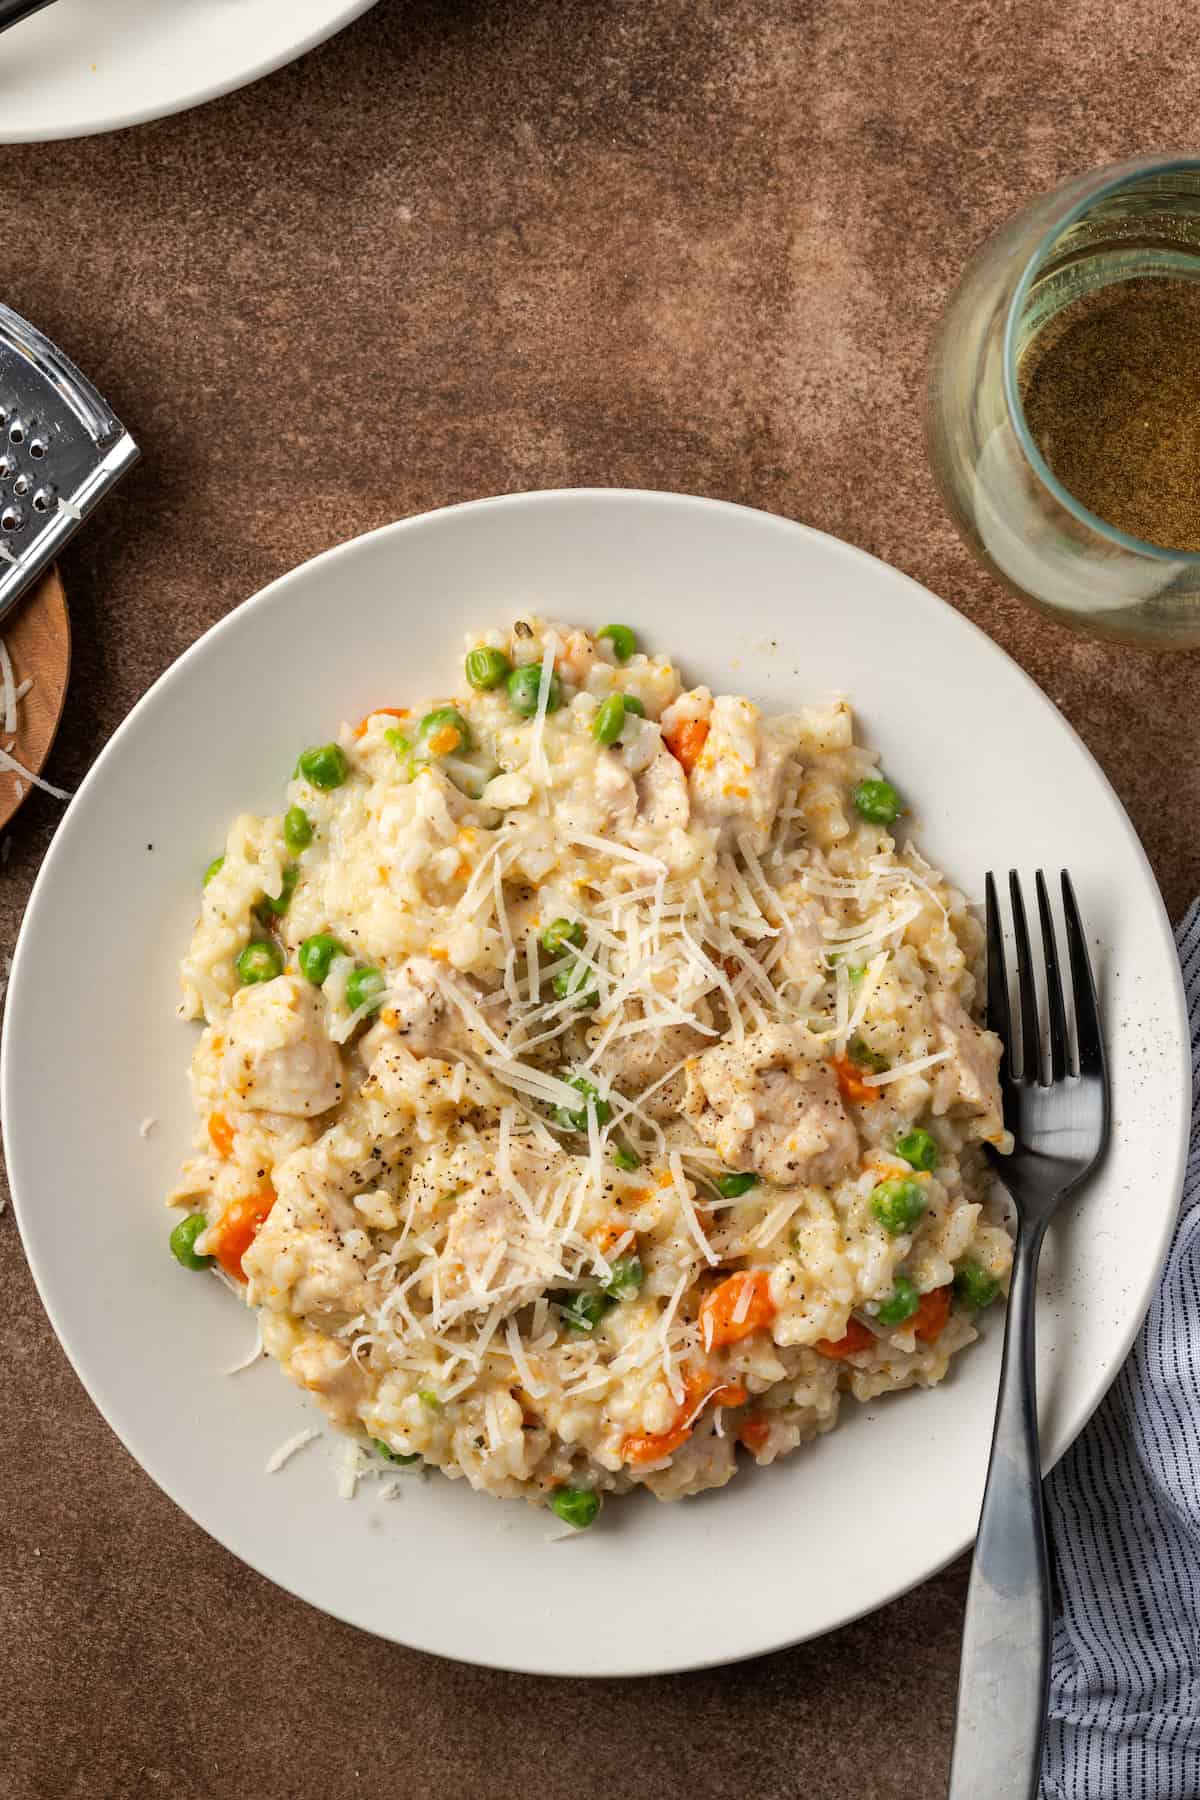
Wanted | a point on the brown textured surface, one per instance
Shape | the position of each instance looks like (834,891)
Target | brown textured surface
(462,249)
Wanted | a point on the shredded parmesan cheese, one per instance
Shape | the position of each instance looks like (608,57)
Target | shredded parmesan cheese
(9,762)
(249,1360)
(900,1070)
(286,1451)
(9,690)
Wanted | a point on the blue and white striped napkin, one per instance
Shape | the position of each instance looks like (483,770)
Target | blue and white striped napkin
(1123,1508)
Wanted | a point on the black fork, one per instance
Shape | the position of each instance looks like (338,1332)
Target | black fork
(1055,1091)
(13,11)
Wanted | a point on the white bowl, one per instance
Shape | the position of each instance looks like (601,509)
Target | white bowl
(82,66)
(747,603)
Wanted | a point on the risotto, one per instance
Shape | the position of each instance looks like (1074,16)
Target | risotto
(588,1087)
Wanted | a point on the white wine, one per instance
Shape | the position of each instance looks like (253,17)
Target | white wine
(1110,388)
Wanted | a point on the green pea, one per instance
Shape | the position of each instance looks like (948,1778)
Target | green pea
(325,766)
(259,961)
(634,705)
(919,1148)
(973,1286)
(486,668)
(877,801)
(429,1399)
(626,1278)
(270,908)
(575,1506)
(623,641)
(524,685)
(900,1304)
(625,1159)
(365,987)
(609,721)
(316,954)
(392,1456)
(860,1052)
(577,983)
(560,933)
(439,725)
(578,1121)
(183,1242)
(297,829)
(898,1203)
(396,738)
(734,1185)
(583,1312)
(214,868)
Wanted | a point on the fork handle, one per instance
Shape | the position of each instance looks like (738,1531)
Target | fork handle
(1004,1673)
(13,11)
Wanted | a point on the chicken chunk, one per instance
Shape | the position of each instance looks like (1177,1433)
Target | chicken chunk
(970,1080)
(419,1020)
(600,798)
(662,795)
(772,1105)
(636,1062)
(309,1258)
(278,1058)
(418,1013)
(492,1240)
(806,948)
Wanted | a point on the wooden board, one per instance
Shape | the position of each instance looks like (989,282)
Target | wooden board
(38,636)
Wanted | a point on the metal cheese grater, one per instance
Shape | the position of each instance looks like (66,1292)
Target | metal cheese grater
(61,451)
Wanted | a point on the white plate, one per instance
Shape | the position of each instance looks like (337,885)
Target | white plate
(91,1048)
(96,65)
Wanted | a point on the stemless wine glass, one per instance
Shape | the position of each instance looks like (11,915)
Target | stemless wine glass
(1117,224)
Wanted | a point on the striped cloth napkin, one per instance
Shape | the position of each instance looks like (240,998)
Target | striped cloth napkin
(1123,1508)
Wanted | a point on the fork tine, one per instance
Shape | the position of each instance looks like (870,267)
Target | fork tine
(1087,1010)
(997,975)
(1054,993)
(1031,1049)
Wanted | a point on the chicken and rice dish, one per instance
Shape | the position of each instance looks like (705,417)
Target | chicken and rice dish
(588,1089)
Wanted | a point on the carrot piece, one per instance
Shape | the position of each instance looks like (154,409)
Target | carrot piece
(857,1338)
(754,1433)
(238,1227)
(698,1389)
(653,1446)
(686,742)
(930,1317)
(220,1132)
(726,1315)
(609,1232)
(850,1081)
(393,712)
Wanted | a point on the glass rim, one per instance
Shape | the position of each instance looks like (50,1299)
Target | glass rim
(1130,176)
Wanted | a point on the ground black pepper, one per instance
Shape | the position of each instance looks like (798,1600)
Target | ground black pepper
(1111,392)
